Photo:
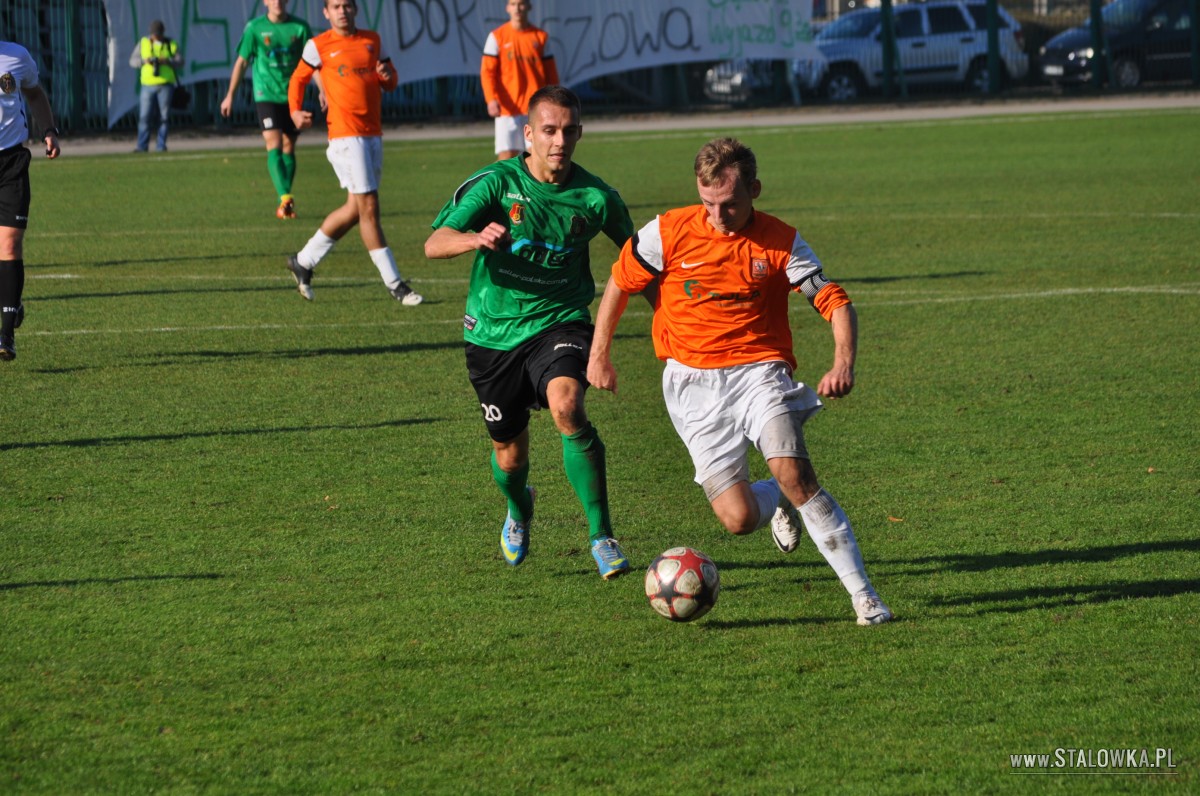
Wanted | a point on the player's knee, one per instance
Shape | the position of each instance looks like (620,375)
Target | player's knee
(740,520)
(569,418)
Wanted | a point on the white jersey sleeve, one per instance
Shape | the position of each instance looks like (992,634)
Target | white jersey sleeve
(647,247)
(311,55)
(804,269)
(491,46)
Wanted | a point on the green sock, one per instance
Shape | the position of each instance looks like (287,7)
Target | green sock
(276,169)
(512,486)
(289,169)
(583,459)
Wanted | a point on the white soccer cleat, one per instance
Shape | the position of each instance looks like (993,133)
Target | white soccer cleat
(786,526)
(406,295)
(870,609)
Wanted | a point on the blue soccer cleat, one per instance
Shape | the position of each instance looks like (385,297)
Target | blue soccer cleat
(514,536)
(610,559)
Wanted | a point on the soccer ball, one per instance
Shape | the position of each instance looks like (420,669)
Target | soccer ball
(682,584)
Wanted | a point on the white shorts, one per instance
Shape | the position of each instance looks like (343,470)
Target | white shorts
(357,162)
(510,133)
(720,412)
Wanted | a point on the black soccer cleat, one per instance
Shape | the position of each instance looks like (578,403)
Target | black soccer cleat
(303,276)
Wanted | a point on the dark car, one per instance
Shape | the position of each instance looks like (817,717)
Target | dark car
(1145,39)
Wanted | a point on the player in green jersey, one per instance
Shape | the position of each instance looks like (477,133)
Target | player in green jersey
(529,221)
(274,41)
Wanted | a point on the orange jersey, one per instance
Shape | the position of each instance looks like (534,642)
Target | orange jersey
(353,89)
(515,65)
(723,299)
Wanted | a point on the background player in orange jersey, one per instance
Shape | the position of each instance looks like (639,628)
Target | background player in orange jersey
(354,73)
(515,65)
(724,272)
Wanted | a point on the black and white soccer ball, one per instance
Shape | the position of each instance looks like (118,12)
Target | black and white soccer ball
(682,584)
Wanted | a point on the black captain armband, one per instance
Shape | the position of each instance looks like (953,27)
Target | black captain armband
(813,285)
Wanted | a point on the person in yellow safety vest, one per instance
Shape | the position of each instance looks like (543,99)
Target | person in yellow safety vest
(157,58)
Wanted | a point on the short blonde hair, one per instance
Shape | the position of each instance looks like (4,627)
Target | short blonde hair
(722,153)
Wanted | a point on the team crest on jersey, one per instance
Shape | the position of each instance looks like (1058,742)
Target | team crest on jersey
(517,212)
(758,269)
(8,83)
(266,39)
(578,225)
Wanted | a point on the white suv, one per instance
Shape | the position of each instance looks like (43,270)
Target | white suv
(940,42)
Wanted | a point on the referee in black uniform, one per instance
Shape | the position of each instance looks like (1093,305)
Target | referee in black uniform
(18,88)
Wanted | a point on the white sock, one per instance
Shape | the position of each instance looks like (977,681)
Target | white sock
(315,250)
(767,494)
(386,264)
(829,527)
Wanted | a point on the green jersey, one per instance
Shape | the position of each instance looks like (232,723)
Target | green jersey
(274,48)
(544,277)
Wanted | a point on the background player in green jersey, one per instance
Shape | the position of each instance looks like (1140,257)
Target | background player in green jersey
(529,221)
(274,41)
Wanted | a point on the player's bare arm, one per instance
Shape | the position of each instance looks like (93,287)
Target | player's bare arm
(446,242)
(601,373)
(39,106)
(839,381)
(235,80)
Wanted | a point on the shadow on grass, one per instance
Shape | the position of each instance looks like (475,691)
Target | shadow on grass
(1034,558)
(776,622)
(188,357)
(729,566)
(88,442)
(196,287)
(193,288)
(881,280)
(163,260)
(305,353)
(1039,597)
(106,581)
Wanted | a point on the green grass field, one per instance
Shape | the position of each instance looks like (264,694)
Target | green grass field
(250,543)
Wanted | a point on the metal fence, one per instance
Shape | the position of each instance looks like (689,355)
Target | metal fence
(1139,41)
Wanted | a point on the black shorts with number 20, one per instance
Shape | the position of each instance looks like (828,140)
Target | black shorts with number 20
(510,384)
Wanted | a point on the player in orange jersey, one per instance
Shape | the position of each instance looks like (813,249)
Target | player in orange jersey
(724,272)
(515,65)
(354,73)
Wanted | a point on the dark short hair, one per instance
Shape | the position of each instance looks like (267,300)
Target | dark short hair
(157,28)
(561,96)
(722,153)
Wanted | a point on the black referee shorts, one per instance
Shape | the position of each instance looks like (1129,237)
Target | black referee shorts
(14,187)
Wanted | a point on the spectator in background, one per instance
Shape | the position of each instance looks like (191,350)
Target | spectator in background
(515,65)
(157,58)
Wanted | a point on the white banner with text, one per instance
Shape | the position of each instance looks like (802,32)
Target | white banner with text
(440,38)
